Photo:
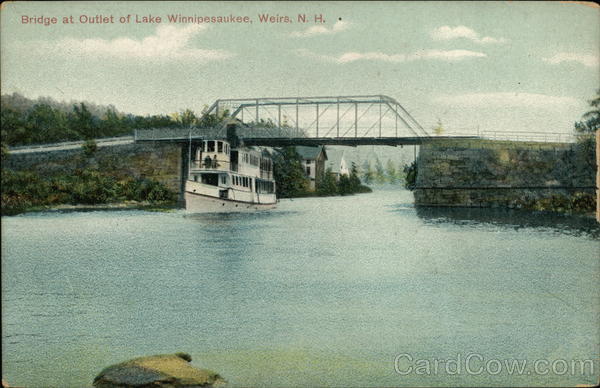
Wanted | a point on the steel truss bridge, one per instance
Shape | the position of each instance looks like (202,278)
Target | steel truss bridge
(329,120)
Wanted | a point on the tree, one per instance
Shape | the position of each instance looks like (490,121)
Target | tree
(368,175)
(327,184)
(13,126)
(391,172)
(345,185)
(111,124)
(186,118)
(379,172)
(354,179)
(411,175)
(585,131)
(46,124)
(89,147)
(288,173)
(438,129)
(211,120)
(591,119)
(83,122)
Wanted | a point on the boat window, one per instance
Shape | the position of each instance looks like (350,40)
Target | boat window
(210,179)
(219,146)
(195,178)
(223,179)
(210,145)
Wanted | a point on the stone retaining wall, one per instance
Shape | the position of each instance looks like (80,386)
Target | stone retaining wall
(161,162)
(488,173)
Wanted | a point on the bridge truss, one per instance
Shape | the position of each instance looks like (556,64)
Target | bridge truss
(343,117)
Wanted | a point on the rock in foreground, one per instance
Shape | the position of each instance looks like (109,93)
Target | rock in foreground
(166,370)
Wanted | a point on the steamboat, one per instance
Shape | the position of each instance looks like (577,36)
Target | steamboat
(227,179)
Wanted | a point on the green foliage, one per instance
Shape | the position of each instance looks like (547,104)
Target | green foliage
(579,202)
(379,172)
(89,147)
(83,122)
(439,128)
(411,175)
(380,175)
(368,175)
(25,121)
(590,121)
(23,190)
(585,149)
(346,185)
(4,153)
(391,174)
(211,120)
(327,184)
(354,179)
(292,182)
(288,173)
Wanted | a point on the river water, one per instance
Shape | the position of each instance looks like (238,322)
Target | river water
(341,291)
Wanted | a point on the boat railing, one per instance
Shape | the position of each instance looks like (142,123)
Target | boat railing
(224,166)
(264,174)
(208,164)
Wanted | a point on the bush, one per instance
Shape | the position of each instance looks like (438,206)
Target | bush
(89,147)
(24,190)
(411,176)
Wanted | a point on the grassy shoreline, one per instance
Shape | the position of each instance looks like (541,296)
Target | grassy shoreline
(123,205)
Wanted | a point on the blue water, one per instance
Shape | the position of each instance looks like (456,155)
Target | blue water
(321,291)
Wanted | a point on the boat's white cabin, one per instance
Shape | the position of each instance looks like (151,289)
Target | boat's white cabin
(215,163)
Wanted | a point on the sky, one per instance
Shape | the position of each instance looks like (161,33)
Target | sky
(497,66)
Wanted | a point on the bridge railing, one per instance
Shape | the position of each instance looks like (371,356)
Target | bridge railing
(182,134)
(99,141)
(534,136)
(158,134)
(544,137)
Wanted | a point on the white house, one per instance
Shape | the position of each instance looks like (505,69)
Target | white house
(313,162)
(337,163)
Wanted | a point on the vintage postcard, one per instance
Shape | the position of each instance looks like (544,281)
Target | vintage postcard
(300,194)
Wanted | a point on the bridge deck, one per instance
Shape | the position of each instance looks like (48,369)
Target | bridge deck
(317,141)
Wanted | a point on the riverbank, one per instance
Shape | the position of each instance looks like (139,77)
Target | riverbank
(90,188)
(126,205)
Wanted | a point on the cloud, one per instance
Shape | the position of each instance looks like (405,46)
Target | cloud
(587,60)
(443,55)
(168,43)
(450,33)
(339,26)
(505,100)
